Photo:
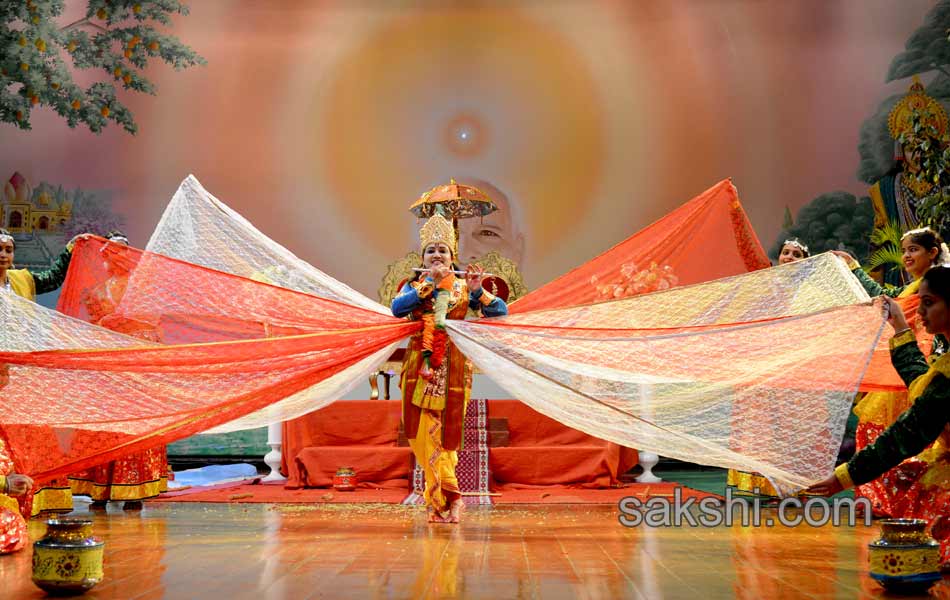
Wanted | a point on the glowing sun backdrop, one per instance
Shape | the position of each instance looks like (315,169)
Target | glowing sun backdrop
(322,121)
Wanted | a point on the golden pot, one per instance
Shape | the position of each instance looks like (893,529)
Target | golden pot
(68,560)
(905,559)
(345,479)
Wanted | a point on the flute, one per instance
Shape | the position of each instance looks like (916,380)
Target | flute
(417,270)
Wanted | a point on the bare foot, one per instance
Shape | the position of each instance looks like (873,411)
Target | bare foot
(455,511)
(435,517)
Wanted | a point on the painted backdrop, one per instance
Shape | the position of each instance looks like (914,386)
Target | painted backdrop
(322,121)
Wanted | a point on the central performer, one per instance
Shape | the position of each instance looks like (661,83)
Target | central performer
(436,378)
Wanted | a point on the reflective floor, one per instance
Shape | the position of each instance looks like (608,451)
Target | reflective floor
(236,551)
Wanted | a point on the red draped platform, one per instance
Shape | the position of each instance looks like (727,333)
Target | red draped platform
(363,434)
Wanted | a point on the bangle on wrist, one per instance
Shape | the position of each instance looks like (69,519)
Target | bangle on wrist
(844,476)
(904,336)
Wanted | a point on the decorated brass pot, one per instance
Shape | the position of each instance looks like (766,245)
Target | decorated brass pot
(69,559)
(345,479)
(905,559)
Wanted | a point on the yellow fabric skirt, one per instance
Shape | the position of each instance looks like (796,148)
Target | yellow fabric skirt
(127,492)
(438,464)
(52,498)
(750,484)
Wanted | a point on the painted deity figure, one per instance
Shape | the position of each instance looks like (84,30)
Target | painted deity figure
(897,195)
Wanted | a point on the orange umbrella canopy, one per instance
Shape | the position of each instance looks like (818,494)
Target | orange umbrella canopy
(457,200)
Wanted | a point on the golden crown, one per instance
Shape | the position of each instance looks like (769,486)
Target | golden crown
(900,119)
(438,229)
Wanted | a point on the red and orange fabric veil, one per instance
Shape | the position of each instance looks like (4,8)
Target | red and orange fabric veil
(678,341)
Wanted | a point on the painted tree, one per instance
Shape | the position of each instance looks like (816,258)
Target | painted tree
(787,220)
(90,214)
(832,221)
(927,48)
(116,37)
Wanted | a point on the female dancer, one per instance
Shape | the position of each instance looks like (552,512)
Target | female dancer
(55,495)
(922,249)
(921,432)
(748,483)
(436,378)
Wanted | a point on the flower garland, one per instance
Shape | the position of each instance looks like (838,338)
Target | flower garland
(434,336)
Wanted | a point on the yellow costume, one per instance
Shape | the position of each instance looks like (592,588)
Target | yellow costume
(13,535)
(876,411)
(55,496)
(436,378)
(910,459)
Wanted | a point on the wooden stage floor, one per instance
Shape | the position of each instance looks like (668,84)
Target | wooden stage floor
(260,551)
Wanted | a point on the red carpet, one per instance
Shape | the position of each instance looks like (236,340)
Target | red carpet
(566,495)
(277,493)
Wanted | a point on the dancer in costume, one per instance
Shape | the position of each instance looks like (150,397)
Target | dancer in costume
(436,378)
(922,432)
(748,483)
(55,495)
(13,533)
(922,249)
(137,476)
(792,250)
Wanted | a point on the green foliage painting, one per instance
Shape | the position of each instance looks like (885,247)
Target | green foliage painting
(116,40)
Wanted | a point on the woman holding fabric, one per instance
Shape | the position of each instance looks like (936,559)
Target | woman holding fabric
(13,533)
(792,250)
(922,249)
(55,496)
(922,431)
(747,483)
(436,378)
(28,284)
(140,475)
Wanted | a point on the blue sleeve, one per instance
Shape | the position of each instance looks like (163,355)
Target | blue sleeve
(495,308)
(406,301)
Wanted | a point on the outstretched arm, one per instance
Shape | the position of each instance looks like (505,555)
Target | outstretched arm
(872,287)
(916,429)
(50,279)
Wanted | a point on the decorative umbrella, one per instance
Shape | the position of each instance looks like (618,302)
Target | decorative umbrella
(455,199)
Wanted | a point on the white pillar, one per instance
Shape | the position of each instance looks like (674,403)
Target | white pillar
(275,439)
(647,460)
